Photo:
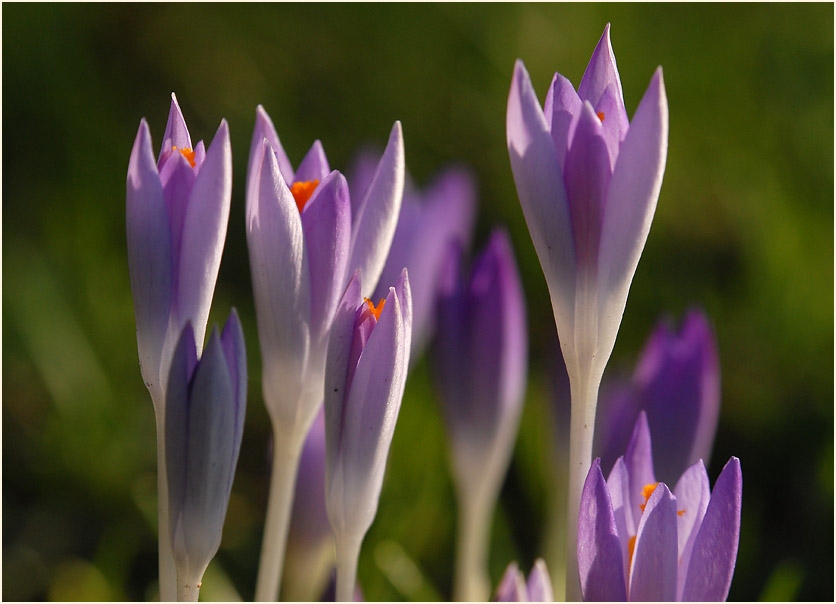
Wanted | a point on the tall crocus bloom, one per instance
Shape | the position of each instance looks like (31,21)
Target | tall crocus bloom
(588,181)
(637,540)
(206,400)
(365,376)
(428,222)
(482,358)
(176,216)
(514,588)
(677,384)
(305,236)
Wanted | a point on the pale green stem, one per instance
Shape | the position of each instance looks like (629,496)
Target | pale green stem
(471,582)
(168,573)
(348,553)
(582,428)
(286,453)
(188,591)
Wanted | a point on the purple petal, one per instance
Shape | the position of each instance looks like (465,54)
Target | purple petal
(403,290)
(281,285)
(176,132)
(149,256)
(204,232)
(264,129)
(618,484)
(542,194)
(199,156)
(655,563)
(512,587)
(177,177)
(631,202)
(309,520)
(601,73)
(235,351)
(562,110)
(314,165)
(377,216)
(692,494)
(610,111)
(539,585)
(600,561)
(326,221)
(586,174)
(360,176)
(709,574)
(639,462)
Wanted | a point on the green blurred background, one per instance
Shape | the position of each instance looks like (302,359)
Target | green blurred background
(743,229)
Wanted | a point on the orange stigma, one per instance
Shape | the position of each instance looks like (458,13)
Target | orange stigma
(647,491)
(302,192)
(600,115)
(376,310)
(631,545)
(187,153)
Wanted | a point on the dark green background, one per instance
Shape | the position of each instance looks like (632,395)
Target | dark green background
(743,228)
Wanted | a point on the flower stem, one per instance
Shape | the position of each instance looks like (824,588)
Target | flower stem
(168,573)
(584,390)
(471,582)
(286,452)
(348,552)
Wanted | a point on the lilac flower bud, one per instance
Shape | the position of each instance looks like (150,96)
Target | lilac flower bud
(513,587)
(637,540)
(205,405)
(176,216)
(677,384)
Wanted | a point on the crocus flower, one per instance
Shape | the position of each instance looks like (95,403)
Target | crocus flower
(365,375)
(637,540)
(482,359)
(677,384)
(588,181)
(176,216)
(513,587)
(428,222)
(205,405)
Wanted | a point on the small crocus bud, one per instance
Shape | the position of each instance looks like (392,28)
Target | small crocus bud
(482,359)
(677,384)
(206,402)
(364,382)
(514,588)
(176,216)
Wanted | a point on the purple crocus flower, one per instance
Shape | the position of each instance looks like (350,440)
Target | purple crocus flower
(428,222)
(513,587)
(677,384)
(588,181)
(637,540)
(176,216)
(365,376)
(481,356)
(206,401)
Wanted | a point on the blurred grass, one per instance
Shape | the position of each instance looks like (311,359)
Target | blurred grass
(743,228)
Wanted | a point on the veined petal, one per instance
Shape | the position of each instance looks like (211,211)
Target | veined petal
(264,129)
(692,494)
(614,123)
(631,202)
(639,462)
(713,558)
(204,233)
(314,165)
(326,221)
(149,256)
(654,568)
(618,484)
(601,73)
(176,131)
(177,178)
(360,176)
(539,584)
(599,548)
(562,110)
(542,194)
(279,266)
(512,587)
(377,215)
(403,290)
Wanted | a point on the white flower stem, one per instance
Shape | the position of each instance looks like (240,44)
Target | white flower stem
(584,390)
(188,591)
(471,582)
(168,573)
(348,553)
(286,452)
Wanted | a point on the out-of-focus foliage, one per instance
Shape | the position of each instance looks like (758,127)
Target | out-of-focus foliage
(743,229)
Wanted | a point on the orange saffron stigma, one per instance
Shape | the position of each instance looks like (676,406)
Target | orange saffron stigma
(631,545)
(376,310)
(647,491)
(302,192)
(600,115)
(187,153)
